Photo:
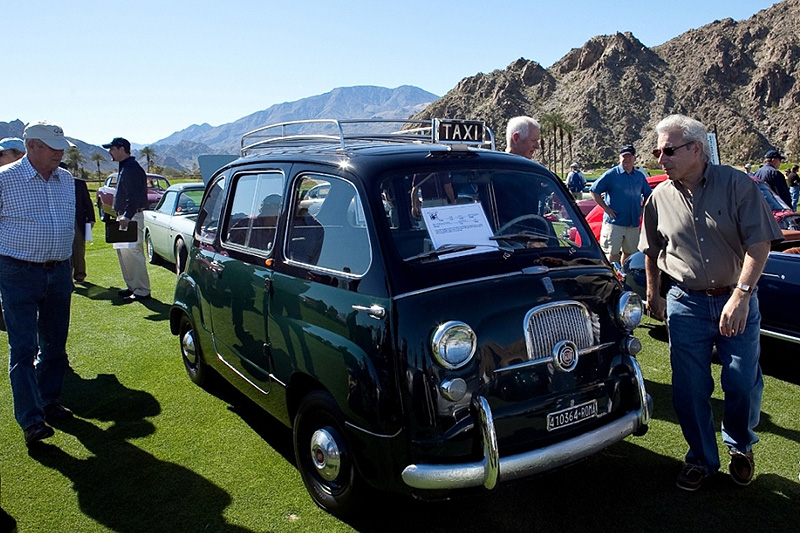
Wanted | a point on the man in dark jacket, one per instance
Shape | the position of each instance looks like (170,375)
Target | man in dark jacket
(84,215)
(773,177)
(129,202)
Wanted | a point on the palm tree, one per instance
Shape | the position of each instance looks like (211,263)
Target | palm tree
(98,158)
(150,154)
(74,158)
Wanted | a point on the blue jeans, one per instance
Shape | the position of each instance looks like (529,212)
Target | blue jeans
(693,322)
(36,304)
(794,192)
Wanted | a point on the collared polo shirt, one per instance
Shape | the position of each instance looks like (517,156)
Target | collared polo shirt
(700,240)
(37,216)
(623,193)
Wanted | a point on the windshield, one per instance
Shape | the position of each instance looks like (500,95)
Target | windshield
(437,216)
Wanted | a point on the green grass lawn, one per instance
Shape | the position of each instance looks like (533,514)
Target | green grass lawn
(150,452)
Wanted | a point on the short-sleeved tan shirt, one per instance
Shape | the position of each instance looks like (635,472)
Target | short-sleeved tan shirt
(700,240)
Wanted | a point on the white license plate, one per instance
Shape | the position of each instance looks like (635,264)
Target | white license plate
(571,415)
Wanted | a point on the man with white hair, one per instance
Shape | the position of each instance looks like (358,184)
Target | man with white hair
(522,136)
(37,224)
(710,231)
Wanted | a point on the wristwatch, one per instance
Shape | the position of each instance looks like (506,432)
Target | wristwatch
(744,287)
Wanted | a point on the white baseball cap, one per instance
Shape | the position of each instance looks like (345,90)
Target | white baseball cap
(50,134)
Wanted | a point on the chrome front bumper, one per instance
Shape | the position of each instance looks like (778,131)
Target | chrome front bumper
(492,468)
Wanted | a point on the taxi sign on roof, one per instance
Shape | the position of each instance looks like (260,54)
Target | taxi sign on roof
(458,131)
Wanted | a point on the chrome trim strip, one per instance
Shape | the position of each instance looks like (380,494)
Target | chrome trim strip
(259,389)
(350,424)
(465,475)
(781,336)
(526,364)
(488,278)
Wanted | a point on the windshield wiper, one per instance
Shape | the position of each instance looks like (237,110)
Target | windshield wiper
(454,248)
(523,237)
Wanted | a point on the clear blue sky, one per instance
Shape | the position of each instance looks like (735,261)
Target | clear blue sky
(146,69)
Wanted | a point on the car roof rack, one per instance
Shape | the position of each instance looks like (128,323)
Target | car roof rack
(458,134)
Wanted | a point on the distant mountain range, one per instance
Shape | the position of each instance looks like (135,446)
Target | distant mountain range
(180,150)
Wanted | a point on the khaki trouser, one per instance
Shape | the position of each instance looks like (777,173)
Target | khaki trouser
(133,264)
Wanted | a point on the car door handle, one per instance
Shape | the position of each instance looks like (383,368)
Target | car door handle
(375,311)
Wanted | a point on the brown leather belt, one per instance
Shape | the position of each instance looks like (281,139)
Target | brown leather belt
(713,292)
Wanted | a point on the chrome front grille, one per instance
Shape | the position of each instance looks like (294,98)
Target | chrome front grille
(549,324)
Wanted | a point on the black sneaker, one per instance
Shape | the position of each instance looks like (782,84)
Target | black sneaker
(742,467)
(136,298)
(125,293)
(691,477)
(55,412)
(36,432)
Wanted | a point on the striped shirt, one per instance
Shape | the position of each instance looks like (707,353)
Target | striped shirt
(37,216)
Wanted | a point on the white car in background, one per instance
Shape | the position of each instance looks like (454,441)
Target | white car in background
(168,228)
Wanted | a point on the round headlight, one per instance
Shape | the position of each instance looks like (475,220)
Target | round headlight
(453,344)
(629,310)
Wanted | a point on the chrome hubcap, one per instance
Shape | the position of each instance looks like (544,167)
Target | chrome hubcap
(325,454)
(187,346)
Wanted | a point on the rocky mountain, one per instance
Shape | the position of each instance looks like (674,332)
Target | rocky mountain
(738,77)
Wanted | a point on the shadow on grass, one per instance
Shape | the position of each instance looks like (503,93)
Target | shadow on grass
(159,309)
(119,485)
(625,487)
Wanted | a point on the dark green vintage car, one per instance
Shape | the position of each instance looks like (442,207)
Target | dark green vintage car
(420,319)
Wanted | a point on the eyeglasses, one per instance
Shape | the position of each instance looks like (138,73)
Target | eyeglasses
(669,151)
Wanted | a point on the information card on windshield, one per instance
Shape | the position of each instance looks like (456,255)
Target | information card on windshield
(453,225)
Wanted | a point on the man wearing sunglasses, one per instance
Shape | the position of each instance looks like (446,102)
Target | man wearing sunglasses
(710,231)
(620,192)
(773,177)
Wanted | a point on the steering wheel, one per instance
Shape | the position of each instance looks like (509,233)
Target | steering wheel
(539,225)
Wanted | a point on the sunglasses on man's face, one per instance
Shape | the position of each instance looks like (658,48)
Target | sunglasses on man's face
(669,151)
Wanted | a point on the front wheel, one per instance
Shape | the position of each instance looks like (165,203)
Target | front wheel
(102,215)
(323,454)
(152,257)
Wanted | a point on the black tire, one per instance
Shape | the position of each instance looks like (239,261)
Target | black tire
(196,367)
(181,255)
(151,252)
(330,478)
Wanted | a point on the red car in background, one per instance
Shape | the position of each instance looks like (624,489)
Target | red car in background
(156,185)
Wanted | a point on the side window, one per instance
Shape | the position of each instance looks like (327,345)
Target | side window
(328,228)
(255,210)
(167,203)
(208,217)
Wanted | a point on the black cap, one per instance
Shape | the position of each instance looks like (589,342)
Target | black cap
(627,149)
(119,141)
(773,154)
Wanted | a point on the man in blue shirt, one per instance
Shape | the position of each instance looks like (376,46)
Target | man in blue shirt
(620,192)
(773,177)
(37,224)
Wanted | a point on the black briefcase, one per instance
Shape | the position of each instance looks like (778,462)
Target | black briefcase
(114,234)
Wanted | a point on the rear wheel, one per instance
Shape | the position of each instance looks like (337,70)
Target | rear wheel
(181,255)
(323,454)
(192,357)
